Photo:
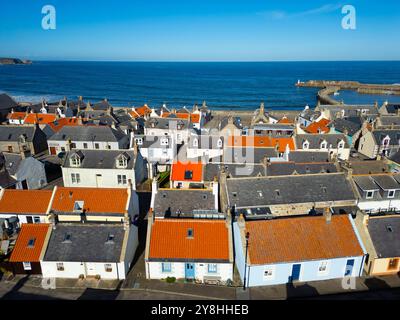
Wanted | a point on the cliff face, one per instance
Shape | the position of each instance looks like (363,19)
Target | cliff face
(14,61)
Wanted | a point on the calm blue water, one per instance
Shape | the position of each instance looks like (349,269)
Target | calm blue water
(222,85)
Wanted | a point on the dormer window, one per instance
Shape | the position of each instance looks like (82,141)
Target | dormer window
(78,206)
(324,145)
(75,160)
(219,143)
(139,141)
(386,141)
(341,144)
(391,193)
(22,138)
(306,144)
(195,142)
(122,161)
(369,195)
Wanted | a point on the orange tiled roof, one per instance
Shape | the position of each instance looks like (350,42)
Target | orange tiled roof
(301,239)
(285,120)
(22,252)
(40,118)
(318,127)
(261,142)
(99,200)
(179,169)
(16,115)
(194,117)
(140,112)
(169,239)
(25,201)
(58,124)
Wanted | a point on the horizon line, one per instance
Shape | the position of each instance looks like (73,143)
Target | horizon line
(205,61)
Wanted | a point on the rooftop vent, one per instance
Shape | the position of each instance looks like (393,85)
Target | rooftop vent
(188,174)
(31,242)
(78,206)
(67,238)
(389,228)
(110,238)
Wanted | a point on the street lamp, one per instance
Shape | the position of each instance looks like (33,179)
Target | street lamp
(245,261)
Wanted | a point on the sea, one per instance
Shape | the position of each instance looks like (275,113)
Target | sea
(223,85)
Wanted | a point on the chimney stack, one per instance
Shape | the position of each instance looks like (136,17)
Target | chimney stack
(328,214)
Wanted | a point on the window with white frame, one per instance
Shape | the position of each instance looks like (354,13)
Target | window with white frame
(391,193)
(323,267)
(195,142)
(370,194)
(96,146)
(60,266)
(122,162)
(108,267)
(219,143)
(164,141)
(121,179)
(212,268)
(75,178)
(75,161)
(27,265)
(341,144)
(306,144)
(139,141)
(166,267)
(324,144)
(269,272)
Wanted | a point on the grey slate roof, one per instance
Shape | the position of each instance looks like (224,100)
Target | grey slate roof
(351,125)
(386,242)
(386,182)
(308,156)
(150,141)
(288,168)
(392,107)
(247,154)
(225,121)
(12,162)
(169,201)
(365,183)
(394,136)
(88,243)
(212,170)
(310,114)
(316,139)
(390,120)
(100,159)
(266,191)
(88,133)
(369,167)
(166,123)
(13,133)
(6,102)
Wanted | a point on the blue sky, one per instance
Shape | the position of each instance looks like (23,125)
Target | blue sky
(207,30)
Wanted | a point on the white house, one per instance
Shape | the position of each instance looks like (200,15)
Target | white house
(378,192)
(80,250)
(298,249)
(206,146)
(192,249)
(29,206)
(335,144)
(159,151)
(103,168)
(87,137)
(178,129)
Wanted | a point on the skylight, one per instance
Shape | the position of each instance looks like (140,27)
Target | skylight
(31,242)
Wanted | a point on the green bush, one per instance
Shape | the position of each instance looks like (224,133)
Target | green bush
(171,279)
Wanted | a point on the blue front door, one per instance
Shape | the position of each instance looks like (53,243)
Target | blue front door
(189,270)
(295,272)
(349,267)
